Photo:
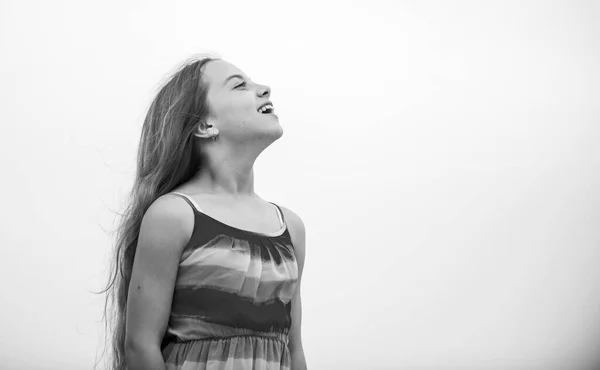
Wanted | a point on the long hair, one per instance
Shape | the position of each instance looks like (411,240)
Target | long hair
(167,157)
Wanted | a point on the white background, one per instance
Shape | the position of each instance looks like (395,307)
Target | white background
(444,157)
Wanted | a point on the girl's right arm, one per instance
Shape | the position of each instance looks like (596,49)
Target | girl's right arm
(165,230)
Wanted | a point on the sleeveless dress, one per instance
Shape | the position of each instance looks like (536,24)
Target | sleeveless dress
(232,300)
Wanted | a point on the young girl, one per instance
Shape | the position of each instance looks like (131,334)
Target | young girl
(207,273)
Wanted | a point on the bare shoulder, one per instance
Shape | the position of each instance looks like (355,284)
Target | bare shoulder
(169,218)
(296,228)
(169,205)
(293,220)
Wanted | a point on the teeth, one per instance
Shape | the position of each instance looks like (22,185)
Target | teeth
(264,108)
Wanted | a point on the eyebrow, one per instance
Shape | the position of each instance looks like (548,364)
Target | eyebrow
(232,76)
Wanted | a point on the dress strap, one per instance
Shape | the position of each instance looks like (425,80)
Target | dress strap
(279,214)
(190,201)
(195,206)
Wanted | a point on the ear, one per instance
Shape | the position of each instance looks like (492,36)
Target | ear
(206,131)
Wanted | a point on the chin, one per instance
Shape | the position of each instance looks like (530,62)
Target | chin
(272,129)
(273,134)
(266,128)
(279,131)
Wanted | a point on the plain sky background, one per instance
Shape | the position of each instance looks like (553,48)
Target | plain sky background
(444,156)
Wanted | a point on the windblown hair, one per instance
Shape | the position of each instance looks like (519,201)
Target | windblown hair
(167,157)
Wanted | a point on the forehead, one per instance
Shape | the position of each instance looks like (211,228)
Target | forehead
(216,72)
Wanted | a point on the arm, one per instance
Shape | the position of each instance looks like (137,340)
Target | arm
(298,235)
(164,232)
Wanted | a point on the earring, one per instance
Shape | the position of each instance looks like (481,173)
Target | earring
(213,131)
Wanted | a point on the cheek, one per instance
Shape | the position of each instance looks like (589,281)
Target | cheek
(239,109)
(235,109)
(247,105)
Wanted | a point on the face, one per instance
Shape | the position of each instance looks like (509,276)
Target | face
(233,101)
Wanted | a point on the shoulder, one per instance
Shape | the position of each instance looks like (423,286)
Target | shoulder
(293,220)
(169,217)
(297,231)
(169,207)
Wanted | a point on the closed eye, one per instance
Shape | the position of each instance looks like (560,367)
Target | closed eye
(241,85)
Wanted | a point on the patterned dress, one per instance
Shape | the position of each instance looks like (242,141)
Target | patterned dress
(232,300)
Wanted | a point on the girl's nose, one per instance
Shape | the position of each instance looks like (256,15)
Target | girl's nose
(264,91)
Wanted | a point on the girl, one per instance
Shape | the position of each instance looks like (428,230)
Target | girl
(206,273)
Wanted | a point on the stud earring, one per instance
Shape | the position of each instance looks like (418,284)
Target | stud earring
(213,131)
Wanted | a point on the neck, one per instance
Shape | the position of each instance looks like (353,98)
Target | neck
(227,174)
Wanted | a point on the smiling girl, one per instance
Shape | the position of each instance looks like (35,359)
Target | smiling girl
(207,273)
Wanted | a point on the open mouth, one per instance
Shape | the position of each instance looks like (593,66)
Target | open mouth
(266,109)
